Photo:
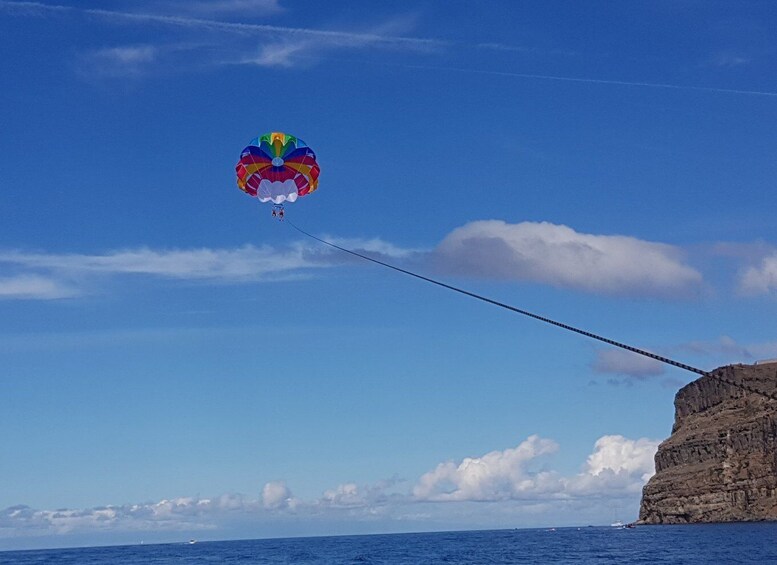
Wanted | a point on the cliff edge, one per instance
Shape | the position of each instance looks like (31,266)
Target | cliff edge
(720,463)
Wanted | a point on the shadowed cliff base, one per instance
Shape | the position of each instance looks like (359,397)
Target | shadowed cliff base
(720,463)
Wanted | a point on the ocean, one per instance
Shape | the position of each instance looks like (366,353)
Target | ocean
(708,544)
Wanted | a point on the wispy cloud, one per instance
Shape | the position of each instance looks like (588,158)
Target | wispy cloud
(760,278)
(241,7)
(47,275)
(218,42)
(757,264)
(279,45)
(129,60)
(292,50)
(228,265)
(523,49)
(730,60)
(331,37)
(560,256)
(726,349)
(23,8)
(626,363)
(34,287)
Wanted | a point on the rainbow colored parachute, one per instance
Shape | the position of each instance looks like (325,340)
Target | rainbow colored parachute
(277,167)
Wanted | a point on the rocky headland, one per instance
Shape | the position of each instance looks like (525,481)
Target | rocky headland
(720,463)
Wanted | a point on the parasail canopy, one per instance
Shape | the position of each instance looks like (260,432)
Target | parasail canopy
(277,167)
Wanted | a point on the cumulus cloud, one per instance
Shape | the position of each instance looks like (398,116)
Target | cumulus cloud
(497,475)
(277,496)
(178,514)
(347,494)
(560,256)
(621,362)
(618,465)
(513,483)
(350,495)
(760,278)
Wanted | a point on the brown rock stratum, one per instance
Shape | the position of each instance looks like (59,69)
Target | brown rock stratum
(720,463)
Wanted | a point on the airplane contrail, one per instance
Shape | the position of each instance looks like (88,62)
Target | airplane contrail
(596,80)
(343,38)
(334,36)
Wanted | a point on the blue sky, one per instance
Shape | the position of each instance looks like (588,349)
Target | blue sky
(176,364)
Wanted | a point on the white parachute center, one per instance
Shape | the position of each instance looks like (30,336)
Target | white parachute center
(277,192)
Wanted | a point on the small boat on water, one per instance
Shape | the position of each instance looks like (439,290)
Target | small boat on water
(192,541)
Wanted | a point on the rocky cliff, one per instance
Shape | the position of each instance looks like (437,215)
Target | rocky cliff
(720,463)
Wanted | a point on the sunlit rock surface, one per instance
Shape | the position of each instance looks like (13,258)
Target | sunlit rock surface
(720,463)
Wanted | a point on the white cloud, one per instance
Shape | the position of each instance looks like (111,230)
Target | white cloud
(277,496)
(279,43)
(500,488)
(244,263)
(762,278)
(129,60)
(560,256)
(33,287)
(350,495)
(618,465)
(130,55)
(329,37)
(293,49)
(621,362)
(48,275)
(178,514)
(617,453)
(247,263)
(279,54)
(347,494)
(23,8)
(498,475)
(375,247)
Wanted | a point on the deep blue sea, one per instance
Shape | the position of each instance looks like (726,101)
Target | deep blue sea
(709,544)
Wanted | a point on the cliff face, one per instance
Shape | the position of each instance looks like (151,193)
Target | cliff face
(720,463)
